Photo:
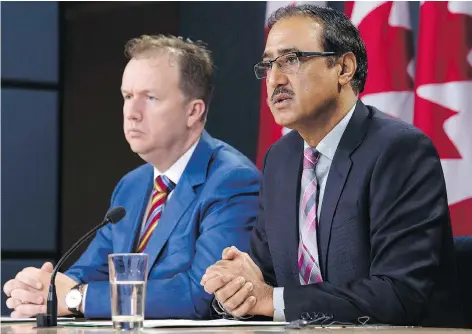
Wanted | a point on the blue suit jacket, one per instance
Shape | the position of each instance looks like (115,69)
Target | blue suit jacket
(213,206)
(384,234)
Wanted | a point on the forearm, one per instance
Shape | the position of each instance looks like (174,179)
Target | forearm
(176,297)
(92,265)
(378,298)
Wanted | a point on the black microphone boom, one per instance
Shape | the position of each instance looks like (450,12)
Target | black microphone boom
(49,319)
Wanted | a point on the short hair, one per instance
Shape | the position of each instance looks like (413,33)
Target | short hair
(195,62)
(339,35)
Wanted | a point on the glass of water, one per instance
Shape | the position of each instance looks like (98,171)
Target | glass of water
(128,276)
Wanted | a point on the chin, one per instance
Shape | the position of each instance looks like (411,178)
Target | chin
(283,117)
(138,149)
(287,122)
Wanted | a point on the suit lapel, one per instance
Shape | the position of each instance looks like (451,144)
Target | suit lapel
(338,174)
(334,186)
(182,198)
(125,240)
(290,173)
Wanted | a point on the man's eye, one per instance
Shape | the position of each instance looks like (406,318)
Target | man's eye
(265,64)
(291,59)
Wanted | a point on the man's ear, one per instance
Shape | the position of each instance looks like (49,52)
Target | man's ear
(347,68)
(195,112)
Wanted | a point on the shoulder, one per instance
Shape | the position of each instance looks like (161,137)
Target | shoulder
(138,173)
(227,160)
(134,177)
(230,170)
(285,147)
(387,133)
(388,125)
(287,142)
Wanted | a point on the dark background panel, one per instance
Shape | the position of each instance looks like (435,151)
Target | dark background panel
(29,170)
(29,136)
(30,41)
(234,32)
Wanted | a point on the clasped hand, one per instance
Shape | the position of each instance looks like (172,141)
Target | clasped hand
(27,292)
(238,284)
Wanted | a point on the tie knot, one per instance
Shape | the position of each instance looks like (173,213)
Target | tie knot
(163,184)
(311,157)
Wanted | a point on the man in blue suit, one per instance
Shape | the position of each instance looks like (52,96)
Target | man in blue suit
(353,221)
(195,195)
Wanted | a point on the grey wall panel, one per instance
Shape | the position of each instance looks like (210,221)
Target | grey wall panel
(234,32)
(30,41)
(29,170)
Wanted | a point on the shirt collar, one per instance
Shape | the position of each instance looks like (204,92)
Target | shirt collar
(328,145)
(174,173)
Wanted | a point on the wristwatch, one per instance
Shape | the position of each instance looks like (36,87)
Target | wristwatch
(74,299)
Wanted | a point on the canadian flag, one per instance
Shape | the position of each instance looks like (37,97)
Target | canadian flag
(269,131)
(386,30)
(443,102)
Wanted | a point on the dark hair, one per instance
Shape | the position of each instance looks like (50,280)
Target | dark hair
(196,65)
(339,35)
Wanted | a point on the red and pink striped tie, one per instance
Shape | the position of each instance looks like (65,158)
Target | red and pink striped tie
(308,263)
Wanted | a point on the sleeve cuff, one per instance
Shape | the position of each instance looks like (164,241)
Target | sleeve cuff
(222,313)
(99,304)
(279,304)
(82,307)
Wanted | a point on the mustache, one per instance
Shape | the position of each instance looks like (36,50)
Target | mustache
(281,90)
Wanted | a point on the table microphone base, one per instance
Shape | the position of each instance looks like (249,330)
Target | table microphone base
(45,320)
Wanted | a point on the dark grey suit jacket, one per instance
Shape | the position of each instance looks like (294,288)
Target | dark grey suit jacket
(384,235)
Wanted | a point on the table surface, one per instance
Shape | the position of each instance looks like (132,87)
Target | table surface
(25,328)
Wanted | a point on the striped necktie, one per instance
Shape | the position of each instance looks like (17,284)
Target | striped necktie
(162,188)
(308,263)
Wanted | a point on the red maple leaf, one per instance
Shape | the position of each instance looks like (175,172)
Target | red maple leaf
(445,39)
(389,51)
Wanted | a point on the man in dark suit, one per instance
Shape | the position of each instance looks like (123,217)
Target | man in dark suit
(353,218)
(194,196)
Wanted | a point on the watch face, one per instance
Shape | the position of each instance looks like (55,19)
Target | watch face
(73,298)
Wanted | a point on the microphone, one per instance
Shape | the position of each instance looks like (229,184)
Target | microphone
(49,319)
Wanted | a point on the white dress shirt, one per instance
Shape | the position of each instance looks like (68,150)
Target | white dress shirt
(327,148)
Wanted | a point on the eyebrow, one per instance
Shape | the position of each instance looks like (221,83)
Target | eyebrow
(145,91)
(281,52)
